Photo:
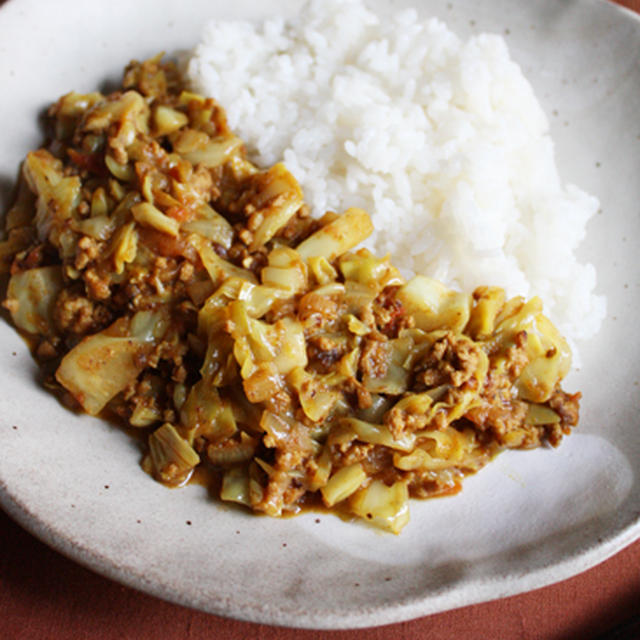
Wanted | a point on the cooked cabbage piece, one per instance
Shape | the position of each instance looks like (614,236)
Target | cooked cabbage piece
(337,237)
(172,457)
(343,483)
(104,364)
(434,306)
(31,296)
(383,506)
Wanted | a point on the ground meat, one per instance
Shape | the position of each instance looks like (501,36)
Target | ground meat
(280,403)
(272,499)
(498,410)
(98,284)
(262,384)
(389,313)
(517,359)
(400,422)
(88,250)
(567,406)
(325,350)
(501,413)
(374,358)
(403,420)
(322,309)
(283,490)
(170,352)
(351,453)
(76,314)
(364,397)
(451,360)
(201,183)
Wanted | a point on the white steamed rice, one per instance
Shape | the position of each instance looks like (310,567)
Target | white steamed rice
(442,141)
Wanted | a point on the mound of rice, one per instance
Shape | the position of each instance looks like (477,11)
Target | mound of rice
(442,141)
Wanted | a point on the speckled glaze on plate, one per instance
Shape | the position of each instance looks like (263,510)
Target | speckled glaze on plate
(527,520)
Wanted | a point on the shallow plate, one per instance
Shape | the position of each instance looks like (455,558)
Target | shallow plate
(527,520)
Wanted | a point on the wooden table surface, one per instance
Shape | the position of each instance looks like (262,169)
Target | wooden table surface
(45,596)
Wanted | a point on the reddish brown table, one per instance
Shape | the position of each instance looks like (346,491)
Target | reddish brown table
(45,596)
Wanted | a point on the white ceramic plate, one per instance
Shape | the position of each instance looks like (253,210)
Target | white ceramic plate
(525,521)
